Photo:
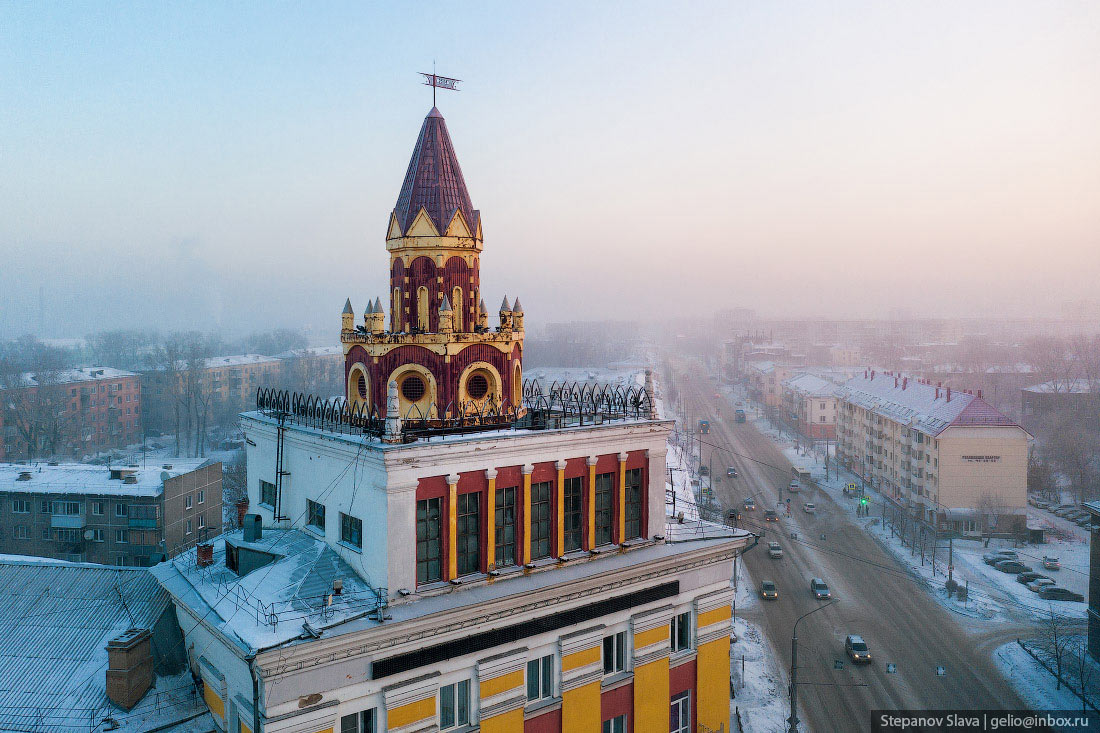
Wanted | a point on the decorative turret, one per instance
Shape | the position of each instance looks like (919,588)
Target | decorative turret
(446,316)
(348,317)
(482,316)
(505,315)
(378,321)
(517,316)
(368,316)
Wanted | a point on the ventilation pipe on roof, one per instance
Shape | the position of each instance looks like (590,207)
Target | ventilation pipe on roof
(904,383)
(129,667)
(948,394)
(937,391)
(979,394)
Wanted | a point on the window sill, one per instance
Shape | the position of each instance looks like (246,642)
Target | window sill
(350,546)
(680,657)
(618,679)
(538,707)
(319,533)
(506,570)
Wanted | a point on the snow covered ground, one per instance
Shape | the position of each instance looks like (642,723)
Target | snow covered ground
(1033,683)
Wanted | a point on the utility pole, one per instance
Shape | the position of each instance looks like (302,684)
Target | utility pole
(950,557)
(793,719)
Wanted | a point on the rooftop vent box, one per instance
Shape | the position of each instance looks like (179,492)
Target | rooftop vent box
(253,530)
(24,476)
(129,479)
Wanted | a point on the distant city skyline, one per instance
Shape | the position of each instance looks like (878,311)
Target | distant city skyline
(234,167)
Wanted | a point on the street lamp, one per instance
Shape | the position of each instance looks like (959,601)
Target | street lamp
(793,720)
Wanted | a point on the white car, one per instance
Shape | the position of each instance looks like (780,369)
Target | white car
(809,508)
(793,487)
(774,550)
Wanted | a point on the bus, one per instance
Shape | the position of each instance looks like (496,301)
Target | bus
(704,426)
(739,415)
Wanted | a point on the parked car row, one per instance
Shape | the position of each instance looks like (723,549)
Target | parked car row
(1046,587)
(1070,512)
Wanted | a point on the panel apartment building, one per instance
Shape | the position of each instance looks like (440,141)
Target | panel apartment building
(449,549)
(946,456)
(119,515)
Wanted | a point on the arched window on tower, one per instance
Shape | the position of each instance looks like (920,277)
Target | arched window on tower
(459,310)
(422,309)
(396,309)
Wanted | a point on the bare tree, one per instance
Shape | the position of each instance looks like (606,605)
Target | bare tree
(1074,452)
(1055,640)
(1054,360)
(1084,670)
(1040,473)
(991,508)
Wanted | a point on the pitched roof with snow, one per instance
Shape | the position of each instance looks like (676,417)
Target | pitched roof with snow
(86,478)
(72,376)
(434,180)
(56,618)
(1063,386)
(926,407)
(812,385)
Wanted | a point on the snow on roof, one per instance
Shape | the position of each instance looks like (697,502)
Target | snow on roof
(312,351)
(238,360)
(1063,386)
(812,385)
(925,407)
(57,618)
(72,376)
(85,478)
(268,606)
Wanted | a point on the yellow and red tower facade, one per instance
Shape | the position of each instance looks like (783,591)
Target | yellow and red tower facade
(437,345)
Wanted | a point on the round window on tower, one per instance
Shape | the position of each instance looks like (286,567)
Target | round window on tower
(412,388)
(477,386)
(361,385)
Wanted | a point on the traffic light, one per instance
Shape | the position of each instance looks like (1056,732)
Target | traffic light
(863,500)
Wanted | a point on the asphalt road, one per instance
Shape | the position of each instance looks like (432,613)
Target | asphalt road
(875,596)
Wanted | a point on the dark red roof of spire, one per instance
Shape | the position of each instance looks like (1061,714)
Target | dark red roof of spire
(434,180)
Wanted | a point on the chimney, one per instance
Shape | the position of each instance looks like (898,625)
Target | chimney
(129,667)
(895,382)
(253,529)
(337,586)
(948,394)
(904,383)
(242,509)
(937,391)
(204,555)
(979,394)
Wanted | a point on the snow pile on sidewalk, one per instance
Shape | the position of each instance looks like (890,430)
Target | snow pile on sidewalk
(760,695)
(1034,684)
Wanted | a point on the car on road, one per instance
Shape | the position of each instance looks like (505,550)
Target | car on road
(1064,513)
(1012,566)
(704,470)
(1060,594)
(808,507)
(793,487)
(750,505)
(820,589)
(1039,583)
(739,415)
(774,550)
(1026,578)
(771,516)
(857,649)
(768,591)
(1000,555)
(1051,563)
(731,472)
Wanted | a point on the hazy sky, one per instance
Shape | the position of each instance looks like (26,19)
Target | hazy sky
(234,164)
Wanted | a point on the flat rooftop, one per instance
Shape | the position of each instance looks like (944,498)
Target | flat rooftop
(86,478)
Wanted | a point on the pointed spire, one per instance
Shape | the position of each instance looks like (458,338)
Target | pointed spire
(517,309)
(433,181)
(348,310)
(377,305)
(482,307)
(446,306)
(370,309)
(504,307)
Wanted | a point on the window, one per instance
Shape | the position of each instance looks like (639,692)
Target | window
(574,512)
(120,560)
(67,535)
(633,503)
(20,506)
(46,506)
(267,493)
(202,522)
(540,680)
(454,705)
(615,725)
(120,510)
(97,535)
(97,508)
(188,530)
(605,483)
(70,508)
(202,496)
(187,502)
(429,541)
(681,631)
(505,527)
(122,536)
(363,722)
(679,715)
(22,532)
(468,537)
(614,653)
(540,520)
(351,530)
(315,512)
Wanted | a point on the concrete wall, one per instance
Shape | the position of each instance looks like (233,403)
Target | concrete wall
(977,461)
(177,514)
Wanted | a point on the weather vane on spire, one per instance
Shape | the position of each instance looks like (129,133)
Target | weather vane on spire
(439,82)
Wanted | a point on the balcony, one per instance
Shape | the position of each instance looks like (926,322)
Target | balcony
(139,523)
(67,521)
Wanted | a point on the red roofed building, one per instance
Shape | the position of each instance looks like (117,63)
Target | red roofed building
(948,457)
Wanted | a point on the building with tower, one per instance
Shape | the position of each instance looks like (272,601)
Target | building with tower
(450,548)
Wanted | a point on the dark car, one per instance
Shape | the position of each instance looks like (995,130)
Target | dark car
(1012,566)
(820,589)
(1026,578)
(731,472)
(857,649)
(768,591)
(993,558)
(750,505)
(771,516)
(1060,594)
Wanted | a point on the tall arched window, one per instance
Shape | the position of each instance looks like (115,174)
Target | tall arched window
(459,311)
(422,308)
(396,308)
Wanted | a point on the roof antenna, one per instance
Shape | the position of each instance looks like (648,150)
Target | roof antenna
(439,82)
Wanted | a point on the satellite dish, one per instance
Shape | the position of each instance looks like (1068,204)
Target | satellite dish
(164,475)
(89,534)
